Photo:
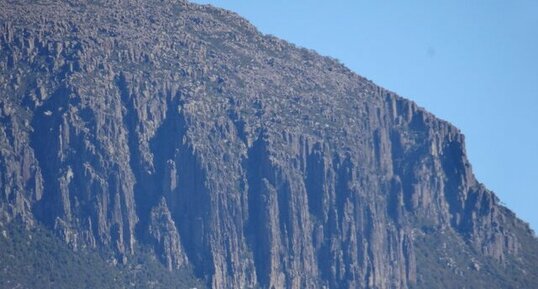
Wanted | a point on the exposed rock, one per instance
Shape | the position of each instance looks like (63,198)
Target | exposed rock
(257,163)
(163,230)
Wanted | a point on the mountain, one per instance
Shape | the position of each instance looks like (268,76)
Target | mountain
(162,140)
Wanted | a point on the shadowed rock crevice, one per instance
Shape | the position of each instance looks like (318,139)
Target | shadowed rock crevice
(192,211)
(46,143)
(264,216)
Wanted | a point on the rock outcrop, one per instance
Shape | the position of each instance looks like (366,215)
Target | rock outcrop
(259,164)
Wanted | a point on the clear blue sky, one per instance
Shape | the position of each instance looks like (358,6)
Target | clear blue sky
(473,63)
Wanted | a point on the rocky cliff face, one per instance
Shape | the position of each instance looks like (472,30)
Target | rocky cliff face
(259,164)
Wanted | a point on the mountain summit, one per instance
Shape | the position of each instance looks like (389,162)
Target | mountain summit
(161,137)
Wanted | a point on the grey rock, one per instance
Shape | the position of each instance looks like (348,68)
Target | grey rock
(163,230)
(255,162)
